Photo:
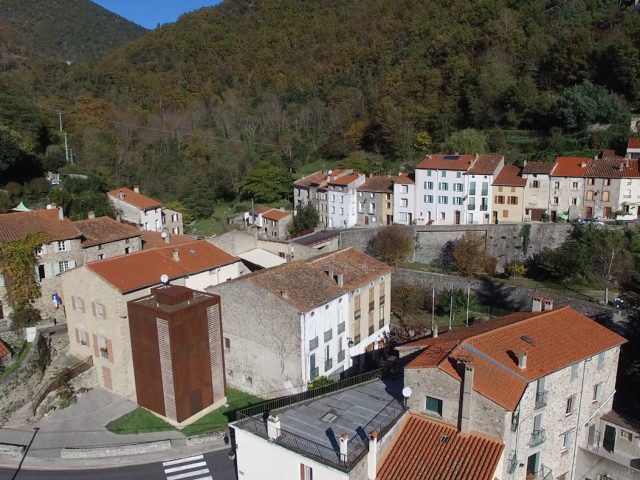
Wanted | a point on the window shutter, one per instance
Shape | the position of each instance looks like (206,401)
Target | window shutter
(56,268)
(37,273)
(104,311)
(67,245)
(73,302)
(77,335)
(43,249)
(55,247)
(96,353)
(72,264)
(81,304)
(48,270)
(93,308)
(109,350)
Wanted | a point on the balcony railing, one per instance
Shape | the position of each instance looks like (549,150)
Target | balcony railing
(537,437)
(328,365)
(544,473)
(315,372)
(541,399)
(341,356)
(484,208)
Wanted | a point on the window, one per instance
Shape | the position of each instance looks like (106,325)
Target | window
(574,185)
(428,199)
(41,250)
(442,216)
(101,256)
(444,174)
(126,250)
(556,200)
(306,472)
(341,199)
(77,303)
(556,185)
(328,335)
(597,392)
(505,213)
(574,371)
(434,405)
(499,199)
(589,194)
(458,187)
(535,184)
(227,343)
(626,435)
(590,181)
(574,201)
(512,200)
(458,174)
(569,406)
(485,188)
(63,266)
(404,202)
(404,188)
(429,185)
(341,327)
(443,200)
(313,344)
(606,182)
(472,188)
(103,347)
(566,440)
(601,360)
(99,310)
(341,211)
(62,246)
(328,363)
(428,173)
(627,193)
(333,209)
(605,196)
(443,186)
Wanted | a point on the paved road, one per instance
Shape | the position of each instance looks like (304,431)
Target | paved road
(210,466)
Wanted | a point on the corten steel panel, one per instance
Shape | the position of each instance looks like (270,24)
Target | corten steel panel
(146,357)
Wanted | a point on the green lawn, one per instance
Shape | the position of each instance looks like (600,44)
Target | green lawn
(221,417)
(138,421)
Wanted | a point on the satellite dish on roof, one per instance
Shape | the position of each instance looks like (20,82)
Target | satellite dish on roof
(164,278)
(163,234)
(406,392)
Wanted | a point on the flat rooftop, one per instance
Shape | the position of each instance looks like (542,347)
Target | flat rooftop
(316,237)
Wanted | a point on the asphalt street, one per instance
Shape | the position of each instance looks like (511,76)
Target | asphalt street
(210,466)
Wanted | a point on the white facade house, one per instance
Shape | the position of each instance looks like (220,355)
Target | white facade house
(633,148)
(343,200)
(404,200)
(478,180)
(137,209)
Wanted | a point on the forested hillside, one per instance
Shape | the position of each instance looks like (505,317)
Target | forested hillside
(376,83)
(73,30)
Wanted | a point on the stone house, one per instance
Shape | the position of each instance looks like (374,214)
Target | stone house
(612,185)
(404,199)
(286,325)
(172,221)
(270,223)
(538,380)
(105,237)
(567,188)
(508,195)
(375,201)
(536,190)
(61,251)
(139,210)
(97,294)
(313,188)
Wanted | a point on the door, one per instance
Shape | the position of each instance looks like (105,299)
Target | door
(495,217)
(532,465)
(410,217)
(106,376)
(457,217)
(366,220)
(588,212)
(469,218)
(609,440)
(554,215)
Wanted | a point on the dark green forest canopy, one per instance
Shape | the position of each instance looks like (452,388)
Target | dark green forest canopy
(289,82)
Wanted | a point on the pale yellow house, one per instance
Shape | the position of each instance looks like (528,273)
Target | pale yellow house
(508,195)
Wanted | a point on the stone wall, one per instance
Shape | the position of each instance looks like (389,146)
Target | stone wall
(504,242)
(112,249)
(497,293)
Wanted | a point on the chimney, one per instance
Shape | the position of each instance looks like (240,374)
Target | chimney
(273,427)
(60,213)
(284,294)
(434,331)
(626,160)
(467,397)
(621,166)
(372,456)
(584,164)
(176,255)
(344,443)
(121,195)
(330,274)
(119,218)
(548,304)
(536,305)
(166,236)
(522,359)
(91,215)
(340,279)
(136,189)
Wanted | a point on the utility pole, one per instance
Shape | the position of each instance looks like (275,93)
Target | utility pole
(66,148)
(468,295)
(59,112)
(451,307)
(433,308)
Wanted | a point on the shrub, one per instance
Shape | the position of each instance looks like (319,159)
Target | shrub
(516,269)
(320,382)
(25,317)
(391,244)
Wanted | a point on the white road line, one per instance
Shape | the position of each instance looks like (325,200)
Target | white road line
(203,478)
(185,467)
(182,460)
(188,474)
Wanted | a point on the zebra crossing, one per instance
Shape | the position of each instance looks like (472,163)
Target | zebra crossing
(191,468)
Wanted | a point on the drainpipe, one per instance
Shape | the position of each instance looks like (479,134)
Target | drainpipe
(575,441)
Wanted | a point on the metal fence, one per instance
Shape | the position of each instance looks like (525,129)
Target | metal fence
(54,383)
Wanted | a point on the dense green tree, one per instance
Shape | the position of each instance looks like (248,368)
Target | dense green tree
(267,183)
(305,219)
(468,141)
(9,150)
(588,104)
(459,303)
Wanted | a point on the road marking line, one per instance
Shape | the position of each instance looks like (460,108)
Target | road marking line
(203,478)
(188,474)
(185,467)
(182,460)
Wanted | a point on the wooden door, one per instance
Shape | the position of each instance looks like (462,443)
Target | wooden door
(106,377)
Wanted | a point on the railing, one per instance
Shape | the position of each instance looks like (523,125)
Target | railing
(282,402)
(544,473)
(328,365)
(315,372)
(484,208)
(541,399)
(537,437)
(55,382)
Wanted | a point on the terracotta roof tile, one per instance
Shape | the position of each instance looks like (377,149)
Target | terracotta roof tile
(610,168)
(4,350)
(485,164)
(104,230)
(142,269)
(441,161)
(559,338)
(575,167)
(152,240)
(275,214)
(379,184)
(136,199)
(419,452)
(345,180)
(405,179)
(261,209)
(320,178)
(510,175)
(539,168)
(357,267)
(633,143)
(15,226)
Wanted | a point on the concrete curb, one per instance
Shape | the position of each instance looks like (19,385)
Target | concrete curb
(11,450)
(206,438)
(116,450)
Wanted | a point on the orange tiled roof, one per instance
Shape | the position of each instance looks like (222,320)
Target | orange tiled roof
(154,239)
(15,226)
(260,209)
(357,267)
(377,184)
(442,161)
(485,164)
(318,179)
(104,230)
(344,180)
(275,214)
(633,143)
(539,168)
(559,338)
(4,350)
(419,452)
(609,167)
(136,199)
(142,269)
(510,175)
(570,167)
(403,179)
